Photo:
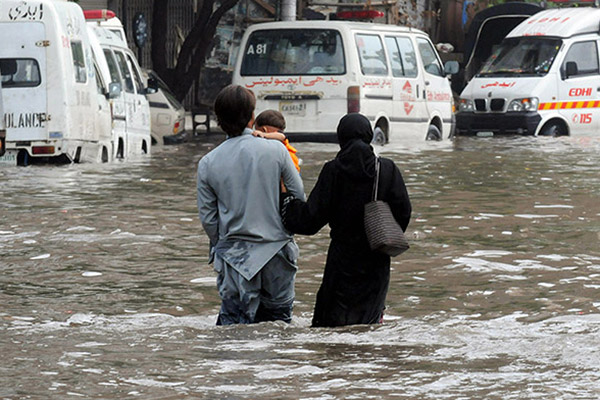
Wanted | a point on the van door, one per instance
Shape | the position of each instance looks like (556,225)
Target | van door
(437,89)
(376,86)
(409,111)
(136,104)
(118,107)
(579,93)
(23,68)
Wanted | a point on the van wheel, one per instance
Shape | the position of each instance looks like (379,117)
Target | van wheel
(379,137)
(554,129)
(433,133)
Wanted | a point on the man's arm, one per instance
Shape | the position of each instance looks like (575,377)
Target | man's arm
(207,205)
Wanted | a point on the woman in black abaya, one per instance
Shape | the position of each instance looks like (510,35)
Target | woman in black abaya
(356,279)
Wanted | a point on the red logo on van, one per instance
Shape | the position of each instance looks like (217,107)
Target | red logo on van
(580,92)
(407,88)
(408,108)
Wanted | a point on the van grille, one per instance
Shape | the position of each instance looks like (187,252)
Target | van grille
(497,105)
(480,105)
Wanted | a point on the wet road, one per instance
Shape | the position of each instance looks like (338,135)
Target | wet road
(105,291)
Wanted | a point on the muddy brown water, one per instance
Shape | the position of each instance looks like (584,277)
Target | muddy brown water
(105,290)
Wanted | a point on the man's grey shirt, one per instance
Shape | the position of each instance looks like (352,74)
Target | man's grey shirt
(238,200)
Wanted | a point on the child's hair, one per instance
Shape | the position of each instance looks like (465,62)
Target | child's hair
(234,107)
(272,118)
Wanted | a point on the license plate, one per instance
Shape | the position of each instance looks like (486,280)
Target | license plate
(485,134)
(9,158)
(292,108)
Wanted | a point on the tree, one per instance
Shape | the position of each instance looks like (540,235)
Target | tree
(195,48)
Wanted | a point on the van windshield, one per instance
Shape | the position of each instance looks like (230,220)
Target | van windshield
(525,56)
(19,72)
(294,52)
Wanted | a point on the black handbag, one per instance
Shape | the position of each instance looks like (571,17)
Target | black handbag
(383,232)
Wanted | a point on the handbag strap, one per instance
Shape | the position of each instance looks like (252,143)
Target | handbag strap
(376,184)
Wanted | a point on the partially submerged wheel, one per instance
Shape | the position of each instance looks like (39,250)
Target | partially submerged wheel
(433,133)
(379,136)
(554,129)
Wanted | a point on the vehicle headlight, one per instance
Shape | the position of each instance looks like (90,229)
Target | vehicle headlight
(524,105)
(466,105)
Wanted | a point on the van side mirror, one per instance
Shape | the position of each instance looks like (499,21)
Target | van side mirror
(114,90)
(152,86)
(451,68)
(571,69)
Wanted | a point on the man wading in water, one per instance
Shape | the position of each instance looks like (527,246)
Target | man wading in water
(238,202)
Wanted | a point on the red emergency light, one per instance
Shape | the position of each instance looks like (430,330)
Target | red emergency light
(361,14)
(99,14)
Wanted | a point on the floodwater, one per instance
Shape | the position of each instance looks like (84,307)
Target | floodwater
(105,291)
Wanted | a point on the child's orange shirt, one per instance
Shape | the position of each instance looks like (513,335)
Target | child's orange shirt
(292,152)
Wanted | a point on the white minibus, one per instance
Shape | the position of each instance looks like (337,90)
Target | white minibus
(315,72)
(543,79)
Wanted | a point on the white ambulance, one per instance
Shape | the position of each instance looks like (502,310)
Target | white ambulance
(315,72)
(56,109)
(544,79)
(121,76)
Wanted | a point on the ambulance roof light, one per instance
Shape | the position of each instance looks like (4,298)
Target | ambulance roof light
(361,14)
(103,15)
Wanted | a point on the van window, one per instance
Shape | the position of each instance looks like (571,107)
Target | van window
(20,72)
(139,83)
(371,54)
(99,82)
(409,57)
(402,56)
(78,62)
(429,57)
(125,72)
(522,56)
(294,52)
(585,54)
(113,69)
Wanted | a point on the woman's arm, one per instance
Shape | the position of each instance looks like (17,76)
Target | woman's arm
(309,217)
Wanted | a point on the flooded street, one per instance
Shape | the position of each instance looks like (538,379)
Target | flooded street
(105,290)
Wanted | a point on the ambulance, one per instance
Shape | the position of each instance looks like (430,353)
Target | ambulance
(315,72)
(119,74)
(57,106)
(543,79)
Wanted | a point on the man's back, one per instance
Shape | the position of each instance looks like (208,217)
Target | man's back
(243,174)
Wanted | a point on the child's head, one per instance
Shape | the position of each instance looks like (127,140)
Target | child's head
(270,118)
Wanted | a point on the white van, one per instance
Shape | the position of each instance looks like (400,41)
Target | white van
(117,67)
(55,108)
(315,72)
(543,79)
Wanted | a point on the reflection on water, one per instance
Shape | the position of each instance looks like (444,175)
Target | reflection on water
(105,291)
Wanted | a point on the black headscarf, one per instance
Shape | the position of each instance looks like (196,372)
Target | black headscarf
(356,157)
(354,127)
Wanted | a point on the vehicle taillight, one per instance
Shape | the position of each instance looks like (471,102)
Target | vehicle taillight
(176,127)
(42,149)
(353,99)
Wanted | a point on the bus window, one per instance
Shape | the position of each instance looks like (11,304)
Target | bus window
(372,56)
(294,52)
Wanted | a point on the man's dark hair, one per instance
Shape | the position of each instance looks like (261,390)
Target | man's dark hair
(271,118)
(234,106)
